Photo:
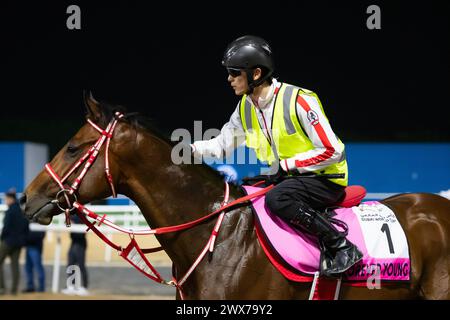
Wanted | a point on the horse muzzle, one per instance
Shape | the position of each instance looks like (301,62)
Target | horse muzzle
(44,212)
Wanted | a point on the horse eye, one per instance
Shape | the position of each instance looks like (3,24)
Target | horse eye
(72,149)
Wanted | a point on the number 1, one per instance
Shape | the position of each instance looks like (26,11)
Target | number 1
(385,228)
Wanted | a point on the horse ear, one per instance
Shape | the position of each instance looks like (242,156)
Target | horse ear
(92,106)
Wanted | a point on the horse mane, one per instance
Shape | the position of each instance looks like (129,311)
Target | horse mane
(140,121)
(135,119)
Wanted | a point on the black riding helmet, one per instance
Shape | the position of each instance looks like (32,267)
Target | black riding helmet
(249,53)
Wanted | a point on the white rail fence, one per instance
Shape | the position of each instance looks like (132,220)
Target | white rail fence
(127,216)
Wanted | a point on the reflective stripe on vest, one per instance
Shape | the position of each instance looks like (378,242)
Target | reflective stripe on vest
(288,136)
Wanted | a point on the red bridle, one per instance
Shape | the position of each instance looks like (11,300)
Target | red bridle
(82,211)
(90,156)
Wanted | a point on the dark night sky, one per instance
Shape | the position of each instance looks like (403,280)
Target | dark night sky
(376,85)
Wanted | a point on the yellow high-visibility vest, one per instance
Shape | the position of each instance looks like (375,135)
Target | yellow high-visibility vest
(289,139)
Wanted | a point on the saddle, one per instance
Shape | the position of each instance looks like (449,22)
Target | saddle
(297,255)
(353,196)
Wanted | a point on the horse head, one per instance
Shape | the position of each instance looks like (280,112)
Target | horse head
(43,198)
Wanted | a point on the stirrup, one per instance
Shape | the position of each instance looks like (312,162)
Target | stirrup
(330,267)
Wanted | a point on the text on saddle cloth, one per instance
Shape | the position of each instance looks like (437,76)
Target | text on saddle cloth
(373,227)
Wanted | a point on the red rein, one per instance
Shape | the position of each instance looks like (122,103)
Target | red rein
(133,253)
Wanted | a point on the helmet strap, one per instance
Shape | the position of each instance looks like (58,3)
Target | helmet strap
(252,84)
(250,81)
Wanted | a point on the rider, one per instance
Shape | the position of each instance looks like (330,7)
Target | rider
(287,127)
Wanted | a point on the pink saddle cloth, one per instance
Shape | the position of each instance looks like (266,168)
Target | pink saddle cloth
(296,255)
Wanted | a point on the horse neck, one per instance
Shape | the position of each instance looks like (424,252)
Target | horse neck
(169,194)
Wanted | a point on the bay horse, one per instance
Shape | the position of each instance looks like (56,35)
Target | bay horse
(170,194)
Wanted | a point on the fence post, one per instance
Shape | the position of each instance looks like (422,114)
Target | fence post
(108,248)
(136,219)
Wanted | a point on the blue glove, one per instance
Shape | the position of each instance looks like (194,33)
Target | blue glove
(228,172)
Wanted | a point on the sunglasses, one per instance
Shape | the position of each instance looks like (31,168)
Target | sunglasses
(234,72)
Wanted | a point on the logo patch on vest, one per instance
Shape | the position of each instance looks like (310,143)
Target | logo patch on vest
(313,117)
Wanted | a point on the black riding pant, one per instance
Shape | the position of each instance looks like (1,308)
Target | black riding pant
(287,197)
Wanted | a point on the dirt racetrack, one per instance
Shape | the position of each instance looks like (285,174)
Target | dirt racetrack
(60,296)
(105,283)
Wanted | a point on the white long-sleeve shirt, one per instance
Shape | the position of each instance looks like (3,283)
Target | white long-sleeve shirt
(326,147)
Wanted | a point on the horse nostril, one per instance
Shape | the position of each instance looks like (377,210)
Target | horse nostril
(23,201)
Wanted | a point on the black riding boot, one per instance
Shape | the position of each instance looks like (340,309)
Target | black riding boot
(338,254)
